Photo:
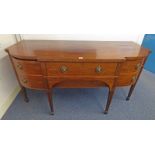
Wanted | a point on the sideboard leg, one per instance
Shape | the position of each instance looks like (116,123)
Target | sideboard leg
(50,101)
(130,92)
(110,95)
(133,86)
(23,90)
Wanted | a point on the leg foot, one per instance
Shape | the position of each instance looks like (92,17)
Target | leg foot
(26,100)
(130,92)
(51,113)
(23,90)
(105,112)
(111,93)
(128,98)
(50,102)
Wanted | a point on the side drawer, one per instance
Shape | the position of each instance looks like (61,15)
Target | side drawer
(35,82)
(126,79)
(27,67)
(130,66)
(97,69)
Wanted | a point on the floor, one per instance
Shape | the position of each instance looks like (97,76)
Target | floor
(87,104)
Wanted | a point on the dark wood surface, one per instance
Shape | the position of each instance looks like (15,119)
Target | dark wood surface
(74,50)
(43,65)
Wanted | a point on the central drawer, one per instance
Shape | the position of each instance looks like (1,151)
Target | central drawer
(60,69)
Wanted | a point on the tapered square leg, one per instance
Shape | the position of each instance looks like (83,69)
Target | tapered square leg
(130,92)
(110,95)
(23,90)
(50,101)
(134,85)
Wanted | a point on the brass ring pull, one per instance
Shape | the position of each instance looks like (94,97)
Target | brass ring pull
(63,69)
(134,79)
(25,81)
(99,69)
(19,66)
(138,67)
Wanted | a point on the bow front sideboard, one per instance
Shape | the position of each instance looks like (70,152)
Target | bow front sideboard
(43,65)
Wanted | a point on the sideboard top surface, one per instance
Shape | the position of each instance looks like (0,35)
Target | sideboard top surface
(45,50)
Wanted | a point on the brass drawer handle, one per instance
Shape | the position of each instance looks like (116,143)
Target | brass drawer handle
(99,69)
(25,81)
(138,67)
(63,69)
(19,66)
(134,79)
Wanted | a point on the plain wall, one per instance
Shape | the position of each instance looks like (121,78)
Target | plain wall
(8,82)
(138,38)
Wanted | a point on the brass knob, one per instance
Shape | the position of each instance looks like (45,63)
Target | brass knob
(19,66)
(133,79)
(63,69)
(138,67)
(25,81)
(99,69)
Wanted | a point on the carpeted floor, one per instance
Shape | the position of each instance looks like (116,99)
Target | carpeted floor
(87,104)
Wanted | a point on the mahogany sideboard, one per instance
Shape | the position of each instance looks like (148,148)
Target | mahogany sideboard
(43,65)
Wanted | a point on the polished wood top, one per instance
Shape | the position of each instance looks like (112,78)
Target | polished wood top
(60,50)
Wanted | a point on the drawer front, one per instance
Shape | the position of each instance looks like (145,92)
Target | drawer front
(80,82)
(77,84)
(131,66)
(27,67)
(60,69)
(34,82)
(126,79)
